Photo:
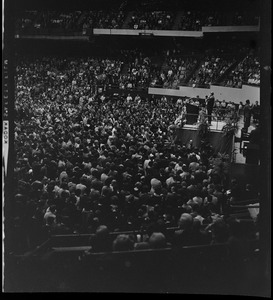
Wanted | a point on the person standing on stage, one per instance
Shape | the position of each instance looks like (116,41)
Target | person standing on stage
(256,112)
(210,105)
(202,118)
(247,115)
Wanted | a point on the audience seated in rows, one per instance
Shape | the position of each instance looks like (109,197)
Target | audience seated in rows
(246,72)
(156,20)
(80,21)
(84,160)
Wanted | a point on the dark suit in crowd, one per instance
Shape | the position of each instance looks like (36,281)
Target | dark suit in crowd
(210,104)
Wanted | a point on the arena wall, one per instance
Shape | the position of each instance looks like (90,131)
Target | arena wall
(221,93)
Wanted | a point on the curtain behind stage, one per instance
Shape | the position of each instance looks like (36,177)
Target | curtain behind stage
(220,142)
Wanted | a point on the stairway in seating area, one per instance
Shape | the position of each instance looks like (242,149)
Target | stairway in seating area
(191,73)
(221,78)
(81,19)
(125,69)
(195,70)
(164,67)
(127,20)
(177,19)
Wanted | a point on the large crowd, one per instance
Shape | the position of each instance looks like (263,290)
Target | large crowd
(195,20)
(156,20)
(194,70)
(135,69)
(79,21)
(138,71)
(246,72)
(178,70)
(49,20)
(85,160)
(106,166)
(211,69)
(103,19)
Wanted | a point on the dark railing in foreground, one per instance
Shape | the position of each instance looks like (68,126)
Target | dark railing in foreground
(71,269)
(65,263)
(233,209)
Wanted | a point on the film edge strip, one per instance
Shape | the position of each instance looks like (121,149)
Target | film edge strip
(5,103)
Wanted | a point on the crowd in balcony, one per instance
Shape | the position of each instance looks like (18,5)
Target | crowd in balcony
(195,20)
(77,21)
(156,20)
(138,72)
(48,21)
(134,69)
(178,69)
(174,73)
(211,69)
(103,19)
(246,72)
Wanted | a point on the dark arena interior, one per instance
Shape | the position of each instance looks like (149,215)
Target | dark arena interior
(139,155)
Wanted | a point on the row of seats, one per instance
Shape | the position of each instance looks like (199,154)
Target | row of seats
(196,268)
(77,243)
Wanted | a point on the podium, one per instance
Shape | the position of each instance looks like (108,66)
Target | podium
(252,154)
(192,113)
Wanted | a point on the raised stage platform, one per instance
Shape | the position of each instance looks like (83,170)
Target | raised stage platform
(215,126)
(220,142)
